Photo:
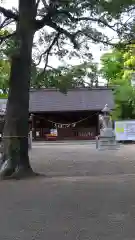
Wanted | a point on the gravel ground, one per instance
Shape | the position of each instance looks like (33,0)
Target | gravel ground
(85,195)
(81,160)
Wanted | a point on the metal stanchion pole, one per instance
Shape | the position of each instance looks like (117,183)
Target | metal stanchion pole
(96,142)
(30,135)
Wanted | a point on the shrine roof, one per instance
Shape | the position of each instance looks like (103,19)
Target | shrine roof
(52,100)
(80,99)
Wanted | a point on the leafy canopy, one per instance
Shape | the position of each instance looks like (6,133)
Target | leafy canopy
(66,26)
(117,68)
(63,78)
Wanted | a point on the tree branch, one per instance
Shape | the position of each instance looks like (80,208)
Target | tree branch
(6,22)
(45,3)
(51,10)
(50,48)
(37,5)
(92,19)
(46,20)
(40,58)
(47,51)
(2,25)
(3,38)
(71,36)
(8,13)
(54,12)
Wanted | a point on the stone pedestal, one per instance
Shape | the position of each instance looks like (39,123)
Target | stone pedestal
(30,140)
(107,140)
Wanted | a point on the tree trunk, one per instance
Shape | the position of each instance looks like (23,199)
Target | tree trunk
(15,159)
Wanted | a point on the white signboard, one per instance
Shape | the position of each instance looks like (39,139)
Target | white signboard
(133,80)
(125,130)
(54,132)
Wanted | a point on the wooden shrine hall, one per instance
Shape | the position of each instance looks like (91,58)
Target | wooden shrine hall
(71,116)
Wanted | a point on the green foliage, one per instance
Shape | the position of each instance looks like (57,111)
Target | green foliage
(83,23)
(3,96)
(76,23)
(112,66)
(64,78)
(4,75)
(73,25)
(5,49)
(6,43)
(117,68)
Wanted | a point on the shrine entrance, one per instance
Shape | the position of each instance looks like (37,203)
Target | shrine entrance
(65,125)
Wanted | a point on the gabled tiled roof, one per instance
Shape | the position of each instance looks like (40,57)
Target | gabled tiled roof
(51,100)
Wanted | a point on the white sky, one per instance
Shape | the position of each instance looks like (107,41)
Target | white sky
(96,49)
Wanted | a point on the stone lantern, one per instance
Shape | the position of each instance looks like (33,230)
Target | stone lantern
(106,110)
(2,120)
(106,117)
(30,135)
(107,137)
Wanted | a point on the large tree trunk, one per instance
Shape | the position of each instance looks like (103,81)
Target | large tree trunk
(15,159)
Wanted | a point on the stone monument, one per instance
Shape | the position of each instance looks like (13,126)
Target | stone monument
(106,140)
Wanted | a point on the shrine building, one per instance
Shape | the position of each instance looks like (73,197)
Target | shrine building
(71,116)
